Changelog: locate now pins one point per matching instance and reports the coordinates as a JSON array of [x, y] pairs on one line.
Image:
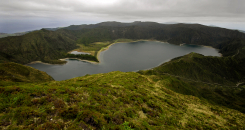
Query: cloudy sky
[[25, 15]]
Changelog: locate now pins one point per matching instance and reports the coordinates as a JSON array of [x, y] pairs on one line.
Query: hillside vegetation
[[115, 100], [151, 99], [218, 80], [43, 45], [13, 72], [221, 70], [49, 46]]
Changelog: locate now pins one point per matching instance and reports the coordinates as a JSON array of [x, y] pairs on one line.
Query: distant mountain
[[107, 24], [2, 35], [213, 25], [53, 29], [170, 23], [242, 31]]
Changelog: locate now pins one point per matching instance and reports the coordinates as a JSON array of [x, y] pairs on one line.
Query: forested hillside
[[219, 80], [42, 45], [220, 70]]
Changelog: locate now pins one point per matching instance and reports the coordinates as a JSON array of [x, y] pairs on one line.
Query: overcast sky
[[25, 15]]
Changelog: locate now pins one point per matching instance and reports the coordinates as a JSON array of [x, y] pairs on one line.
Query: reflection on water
[[124, 57]]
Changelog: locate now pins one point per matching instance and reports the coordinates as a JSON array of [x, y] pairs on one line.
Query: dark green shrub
[[92, 118], [52, 126], [108, 118], [12, 90], [22, 114], [118, 118], [145, 110], [79, 126], [69, 113], [58, 103], [126, 126], [2, 90], [130, 112], [41, 101], [154, 105]]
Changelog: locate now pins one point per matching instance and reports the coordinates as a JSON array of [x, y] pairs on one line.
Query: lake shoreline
[[132, 56], [93, 62], [64, 59], [107, 47], [97, 56], [204, 46], [34, 62]]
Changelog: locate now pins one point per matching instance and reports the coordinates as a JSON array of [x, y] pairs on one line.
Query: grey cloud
[[124, 10], [144, 8]]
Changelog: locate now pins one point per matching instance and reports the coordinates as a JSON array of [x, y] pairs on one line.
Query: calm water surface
[[124, 57]]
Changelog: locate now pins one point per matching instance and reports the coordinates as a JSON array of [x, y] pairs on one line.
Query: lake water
[[124, 57]]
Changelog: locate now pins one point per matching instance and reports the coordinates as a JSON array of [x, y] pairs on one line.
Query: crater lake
[[124, 57]]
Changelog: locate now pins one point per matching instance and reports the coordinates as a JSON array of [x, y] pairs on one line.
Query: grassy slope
[[211, 78], [19, 73], [221, 70], [107, 101], [92, 48]]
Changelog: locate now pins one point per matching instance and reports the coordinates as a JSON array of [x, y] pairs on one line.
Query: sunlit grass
[[115, 100]]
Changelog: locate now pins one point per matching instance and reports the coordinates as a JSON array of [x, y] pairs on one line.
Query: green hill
[[13, 72], [43, 45], [218, 80], [220, 70], [115, 100]]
